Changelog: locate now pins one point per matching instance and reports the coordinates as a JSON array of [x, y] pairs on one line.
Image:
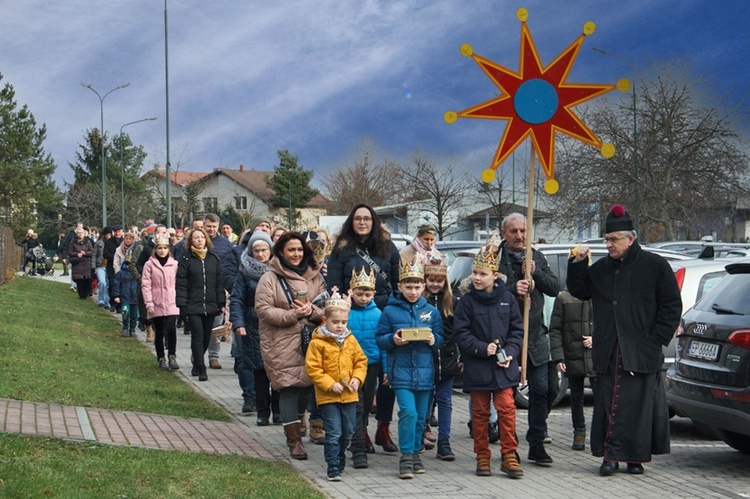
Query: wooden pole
[[529, 257]]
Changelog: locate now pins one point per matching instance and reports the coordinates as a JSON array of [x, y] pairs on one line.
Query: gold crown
[[410, 270], [436, 266], [319, 249], [487, 259], [362, 280], [337, 301]]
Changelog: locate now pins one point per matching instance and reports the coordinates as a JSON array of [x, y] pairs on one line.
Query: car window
[[708, 282], [730, 294]]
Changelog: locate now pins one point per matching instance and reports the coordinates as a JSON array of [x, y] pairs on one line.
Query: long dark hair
[[378, 241], [280, 243]]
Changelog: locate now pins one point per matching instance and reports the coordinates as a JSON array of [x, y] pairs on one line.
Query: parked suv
[[710, 379], [557, 258]]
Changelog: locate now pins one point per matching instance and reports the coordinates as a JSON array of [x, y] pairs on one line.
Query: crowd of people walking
[[327, 330]]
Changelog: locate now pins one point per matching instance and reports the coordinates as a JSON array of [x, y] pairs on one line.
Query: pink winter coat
[[158, 287]]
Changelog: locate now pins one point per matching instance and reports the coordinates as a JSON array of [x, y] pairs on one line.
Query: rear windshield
[[730, 294]]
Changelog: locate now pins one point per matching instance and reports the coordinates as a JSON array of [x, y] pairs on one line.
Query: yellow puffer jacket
[[328, 363]]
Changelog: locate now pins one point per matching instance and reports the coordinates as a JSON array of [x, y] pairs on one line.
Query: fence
[[10, 255]]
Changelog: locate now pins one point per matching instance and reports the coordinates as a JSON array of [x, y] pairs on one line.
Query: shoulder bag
[[306, 333]]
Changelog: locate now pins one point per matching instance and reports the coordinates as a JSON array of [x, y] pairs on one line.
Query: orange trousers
[[506, 420]]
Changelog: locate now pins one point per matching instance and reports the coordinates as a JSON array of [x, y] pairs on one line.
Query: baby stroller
[[40, 263]]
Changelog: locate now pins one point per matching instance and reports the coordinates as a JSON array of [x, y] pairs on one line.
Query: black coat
[[346, 259], [110, 247], [242, 312], [545, 281], [637, 305], [198, 285], [570, 322], [446, 357], [480, 319]]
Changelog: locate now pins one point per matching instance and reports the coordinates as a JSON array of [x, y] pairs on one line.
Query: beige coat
[[280, 331]]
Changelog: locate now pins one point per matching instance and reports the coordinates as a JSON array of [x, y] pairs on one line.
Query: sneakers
[[132, 334], [579, 440], [405, 469], [334, 474], [511, 465], [444, 452], [539, 455], [493, 434], [173, 365], [276, 419], [262, 421], [416, 464], [359, 461], [483, 466], [547, 438], [163, 364], [214, 364], [124, 333]]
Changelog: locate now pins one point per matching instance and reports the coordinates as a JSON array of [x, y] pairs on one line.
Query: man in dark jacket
[[543, 281], [637, 308], [221, 248]]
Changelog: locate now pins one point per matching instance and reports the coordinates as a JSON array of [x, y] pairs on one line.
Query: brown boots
[[511, 465], [483, 466], [383, 437], [294, 441], [317, 435], [149, 334], [302, 425]]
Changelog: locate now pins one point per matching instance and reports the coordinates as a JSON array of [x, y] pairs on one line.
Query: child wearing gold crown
[[409, 365], [489, 330], [337, 367], [363, 322]]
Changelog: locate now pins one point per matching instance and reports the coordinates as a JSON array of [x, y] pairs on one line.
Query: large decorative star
[[536, 102]]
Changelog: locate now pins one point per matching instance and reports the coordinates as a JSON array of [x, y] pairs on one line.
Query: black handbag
[[306, 333]]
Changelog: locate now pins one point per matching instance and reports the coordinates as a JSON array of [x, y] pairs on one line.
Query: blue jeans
[[443, 396], [313, 408], [246, 377], [413, 407], [537, 378], [103, 294], [339, 421], [129, 316]]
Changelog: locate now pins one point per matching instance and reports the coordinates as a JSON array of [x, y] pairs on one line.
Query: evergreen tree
[[291, 185], [28, 196]]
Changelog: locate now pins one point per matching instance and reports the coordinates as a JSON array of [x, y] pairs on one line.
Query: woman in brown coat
[[280, 327]]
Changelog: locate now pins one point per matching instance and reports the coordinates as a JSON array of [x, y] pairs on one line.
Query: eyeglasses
[[613, 239], [366, 220]]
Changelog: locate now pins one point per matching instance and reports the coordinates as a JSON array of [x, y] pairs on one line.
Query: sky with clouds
[[247, 78]]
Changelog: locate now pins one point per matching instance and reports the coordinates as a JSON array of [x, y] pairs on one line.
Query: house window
[[240, 202], [210, 204]]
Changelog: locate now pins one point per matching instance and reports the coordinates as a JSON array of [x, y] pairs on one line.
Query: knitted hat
[[259, 236], [618, 219]]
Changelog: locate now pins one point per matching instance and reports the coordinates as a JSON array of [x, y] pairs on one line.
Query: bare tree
[[365, 180], [444, 192], [688, 165]]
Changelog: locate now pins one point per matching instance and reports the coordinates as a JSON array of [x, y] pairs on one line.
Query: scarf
[[298, 269], [338, 338], [200, 253], [251, 267]]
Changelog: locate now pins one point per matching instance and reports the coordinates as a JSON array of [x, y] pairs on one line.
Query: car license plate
[[702, 350]]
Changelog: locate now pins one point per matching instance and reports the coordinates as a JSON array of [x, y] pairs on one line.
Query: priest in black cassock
[[637, 308]]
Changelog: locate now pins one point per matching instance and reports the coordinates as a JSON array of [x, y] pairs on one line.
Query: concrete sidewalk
[[573, 474]]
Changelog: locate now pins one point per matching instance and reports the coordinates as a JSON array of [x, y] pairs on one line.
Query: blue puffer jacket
[[363, 322], [409, 366], [125, 287]]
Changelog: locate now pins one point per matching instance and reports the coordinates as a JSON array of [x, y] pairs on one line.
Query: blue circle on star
[[535, 101]]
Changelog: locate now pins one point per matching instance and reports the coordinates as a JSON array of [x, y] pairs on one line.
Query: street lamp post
[[104, 159], [122, 169], [635, 130]]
